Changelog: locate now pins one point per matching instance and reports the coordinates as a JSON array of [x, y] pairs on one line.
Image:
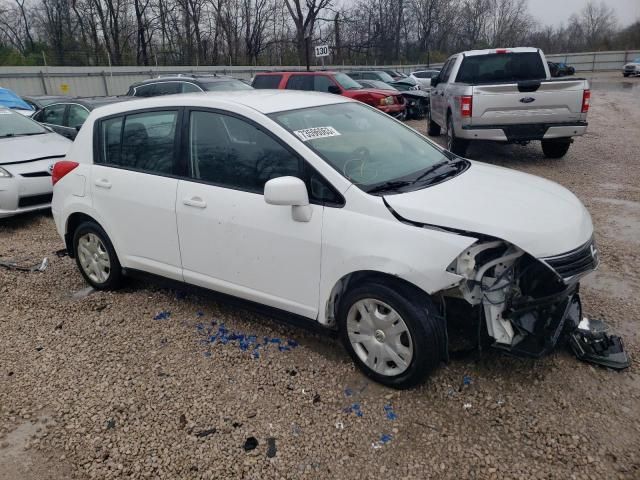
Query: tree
[[304, 17]]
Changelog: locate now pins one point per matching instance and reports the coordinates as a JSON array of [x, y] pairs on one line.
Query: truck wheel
[[556, 148], [96, 258], [454, 144], [433, 129], [393, 332]]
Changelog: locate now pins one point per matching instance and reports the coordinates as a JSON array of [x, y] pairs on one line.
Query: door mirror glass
[[334, 89], [286, 191]]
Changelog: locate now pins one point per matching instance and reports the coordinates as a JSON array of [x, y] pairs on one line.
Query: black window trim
[[306, 168], [180, 82], [177, 139]]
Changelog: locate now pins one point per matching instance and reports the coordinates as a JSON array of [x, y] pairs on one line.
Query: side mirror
[[289, 191], [78, 127], [334, 89], [435, 81]]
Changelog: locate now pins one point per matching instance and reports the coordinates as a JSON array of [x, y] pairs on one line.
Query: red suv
[[333, 82]]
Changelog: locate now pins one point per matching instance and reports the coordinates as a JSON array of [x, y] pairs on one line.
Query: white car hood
[[539, 216], [33, 147]]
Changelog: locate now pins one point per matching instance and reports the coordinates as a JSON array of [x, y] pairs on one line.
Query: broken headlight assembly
[[530, 304]]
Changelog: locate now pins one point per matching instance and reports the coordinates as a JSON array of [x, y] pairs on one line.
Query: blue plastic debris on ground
[[385, 438], [244, 342], [355, 408], [388, 410], [348, 392], [163, 315], [467, 380]]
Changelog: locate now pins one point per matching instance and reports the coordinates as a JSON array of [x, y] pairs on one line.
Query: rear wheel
[[556, 148], [454, 144], [433, 129], [394, 335], [96, 258]]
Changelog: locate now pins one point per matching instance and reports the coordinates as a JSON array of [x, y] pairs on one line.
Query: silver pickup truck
[[507, 95]]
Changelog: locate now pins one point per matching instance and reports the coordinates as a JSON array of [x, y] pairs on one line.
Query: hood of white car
[[537, 215], [33, 147]]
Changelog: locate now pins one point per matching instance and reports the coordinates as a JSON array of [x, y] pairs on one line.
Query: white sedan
[[423, 77], [327, 209], [27, 154]]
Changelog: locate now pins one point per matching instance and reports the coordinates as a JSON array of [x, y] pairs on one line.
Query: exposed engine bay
[[529, 305]]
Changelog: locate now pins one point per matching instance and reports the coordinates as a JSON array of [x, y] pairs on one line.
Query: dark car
[[38, 102], [185, 84], [560, 69], [67, 115], [417, 101], [371, 75]]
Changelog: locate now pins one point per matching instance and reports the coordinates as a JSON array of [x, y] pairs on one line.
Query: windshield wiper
[[390, 186]]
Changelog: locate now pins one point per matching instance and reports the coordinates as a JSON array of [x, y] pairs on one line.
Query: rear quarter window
[[266, 81], [501, 67]]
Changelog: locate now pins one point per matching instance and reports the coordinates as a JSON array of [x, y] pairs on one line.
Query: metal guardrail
[[96, 81]]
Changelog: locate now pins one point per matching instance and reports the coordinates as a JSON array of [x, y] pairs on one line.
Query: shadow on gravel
[[24, 220]]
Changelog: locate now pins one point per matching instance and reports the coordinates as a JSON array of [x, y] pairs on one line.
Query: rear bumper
[[524, 132]]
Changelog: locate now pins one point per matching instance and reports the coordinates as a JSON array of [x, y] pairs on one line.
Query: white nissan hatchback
[[325, 208]]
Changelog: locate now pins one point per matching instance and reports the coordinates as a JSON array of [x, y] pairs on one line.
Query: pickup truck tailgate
[[506, 104]]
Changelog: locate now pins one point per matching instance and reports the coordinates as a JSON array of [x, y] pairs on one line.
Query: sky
[[555, 12]]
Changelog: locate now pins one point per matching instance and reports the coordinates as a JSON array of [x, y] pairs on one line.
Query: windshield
[[229, 85], [346, 82], [369, 148], [501, 67], [380, 85], [14, 124], [385, 77]]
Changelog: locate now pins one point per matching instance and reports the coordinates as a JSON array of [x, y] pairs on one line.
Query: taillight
[[60, 169], [502, 50], [586, 98], [466, 105]]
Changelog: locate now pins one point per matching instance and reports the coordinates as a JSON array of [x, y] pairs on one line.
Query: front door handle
[[103, 183], [196, 202]]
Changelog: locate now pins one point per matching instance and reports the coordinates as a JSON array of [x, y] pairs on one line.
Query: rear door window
[[140, 141], [502, 67], [190, 88], [300, 82], [144, 91], [266, 81], [167, 88]]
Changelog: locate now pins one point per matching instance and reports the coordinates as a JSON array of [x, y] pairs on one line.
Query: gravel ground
[[125, 385]]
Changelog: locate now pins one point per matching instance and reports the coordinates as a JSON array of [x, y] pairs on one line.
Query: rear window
[[501, 67], [266, 81], [226, 85]]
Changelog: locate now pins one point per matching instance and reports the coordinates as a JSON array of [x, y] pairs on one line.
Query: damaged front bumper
[[531, 305]]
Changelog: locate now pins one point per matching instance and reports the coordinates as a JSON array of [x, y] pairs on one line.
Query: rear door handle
[[196, 202], [103, 183]]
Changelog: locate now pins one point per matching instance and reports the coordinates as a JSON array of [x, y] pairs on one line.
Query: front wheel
[[393, 334], [556, 148], [96, 257]]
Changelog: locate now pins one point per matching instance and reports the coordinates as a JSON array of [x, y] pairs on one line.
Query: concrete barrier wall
[[98, 81]]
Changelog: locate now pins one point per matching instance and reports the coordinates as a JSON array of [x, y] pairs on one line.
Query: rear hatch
[[527, 102], [511, 87]]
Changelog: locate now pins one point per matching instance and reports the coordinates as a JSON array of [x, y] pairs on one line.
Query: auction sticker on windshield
[[316, 132]]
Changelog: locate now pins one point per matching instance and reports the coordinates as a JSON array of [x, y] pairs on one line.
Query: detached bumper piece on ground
[[591, 343]]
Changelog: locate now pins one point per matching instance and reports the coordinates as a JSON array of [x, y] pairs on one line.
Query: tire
[[433, 129], [96, 257], [418, 336], [556, 148], [626, 74], [454, 144]]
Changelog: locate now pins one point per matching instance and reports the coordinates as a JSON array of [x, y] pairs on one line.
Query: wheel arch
[[73, 222], [353, 279]]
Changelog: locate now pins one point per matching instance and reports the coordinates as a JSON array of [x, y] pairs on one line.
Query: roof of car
[[184, 78], [264, 101], [489, 51], [91, 102], [298, 72]]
